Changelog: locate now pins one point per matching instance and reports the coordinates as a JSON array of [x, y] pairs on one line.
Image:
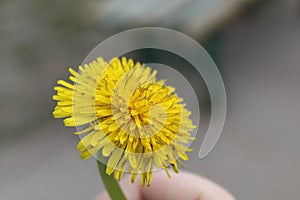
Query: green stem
[[110, 183]]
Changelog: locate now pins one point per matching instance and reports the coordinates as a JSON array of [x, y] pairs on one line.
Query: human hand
[[181, 186]]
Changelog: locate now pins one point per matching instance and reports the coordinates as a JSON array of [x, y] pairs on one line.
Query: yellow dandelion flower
[[135, 120]]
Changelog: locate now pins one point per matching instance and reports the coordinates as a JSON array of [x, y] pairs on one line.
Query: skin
[[184, 185]]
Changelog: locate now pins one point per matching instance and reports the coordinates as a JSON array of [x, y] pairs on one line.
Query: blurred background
[[255, 43]]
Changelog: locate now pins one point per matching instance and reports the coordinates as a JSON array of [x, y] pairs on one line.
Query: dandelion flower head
[[126, 113]]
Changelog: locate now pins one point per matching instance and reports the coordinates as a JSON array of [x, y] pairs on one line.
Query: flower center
[[140, 114]]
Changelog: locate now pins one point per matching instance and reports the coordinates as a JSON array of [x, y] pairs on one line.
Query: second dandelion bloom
[[122, 110]]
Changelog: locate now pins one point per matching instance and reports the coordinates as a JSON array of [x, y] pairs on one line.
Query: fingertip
[[184, 185]]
